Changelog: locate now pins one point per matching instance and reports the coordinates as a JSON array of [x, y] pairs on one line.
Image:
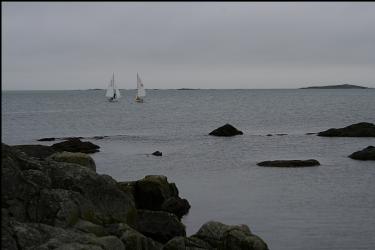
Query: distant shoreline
[[311, 87]]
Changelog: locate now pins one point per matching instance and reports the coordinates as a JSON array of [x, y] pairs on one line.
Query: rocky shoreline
[[53, 199]]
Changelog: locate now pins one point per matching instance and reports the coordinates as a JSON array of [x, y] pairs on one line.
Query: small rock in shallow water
[[364, 154], [289, 163], [157, 153]]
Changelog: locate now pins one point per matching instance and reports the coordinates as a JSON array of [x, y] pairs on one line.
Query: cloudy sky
[[69, 45]]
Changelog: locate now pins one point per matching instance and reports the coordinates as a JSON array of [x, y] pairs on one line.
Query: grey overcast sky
[[68, 45]]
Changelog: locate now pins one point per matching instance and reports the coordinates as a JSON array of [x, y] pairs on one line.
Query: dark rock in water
[[155, 193], [269, 134], [76, 145], [157, 153], [226, 130], [47, 139], [362, 129], [159, 226], [289, 163], [311, 133], [36, 151], [281, 134], [364, 154]]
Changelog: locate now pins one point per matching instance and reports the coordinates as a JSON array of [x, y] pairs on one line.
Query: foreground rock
[[364, 154], [36, 151], [77, 158], [60, 193], [289, 163], [76, 145], [160, 226], [226, 130], [221, 236], [59, 202], [154, 192], [362, 129]]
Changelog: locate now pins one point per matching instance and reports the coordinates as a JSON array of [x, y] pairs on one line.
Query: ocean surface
[[327, 207]]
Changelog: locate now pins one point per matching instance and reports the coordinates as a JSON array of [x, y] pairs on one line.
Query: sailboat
[[141, 92], [113, 93]]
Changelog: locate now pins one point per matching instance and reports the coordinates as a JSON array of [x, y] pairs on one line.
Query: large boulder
[[221, 236], [187, 243], [103, 201], [76, 145], [159, 226], [362, 129], [77, 158], [60, 193], [41, 236], [154, 192], [226, 130], [289, 163], [89, 227], [36, 151], [176, 205], [364, 154], [131, 238]]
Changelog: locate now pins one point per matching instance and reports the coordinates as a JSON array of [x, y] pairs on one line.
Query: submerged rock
[[76, 145], [226, 130], [364, 154], [362, 129], [289, 163]]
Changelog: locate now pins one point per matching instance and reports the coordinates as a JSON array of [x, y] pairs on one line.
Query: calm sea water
[[327, 207]]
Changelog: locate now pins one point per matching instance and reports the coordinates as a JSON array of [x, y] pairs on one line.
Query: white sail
[[113, 93], [110, 90], [141, 90], [118, 94]]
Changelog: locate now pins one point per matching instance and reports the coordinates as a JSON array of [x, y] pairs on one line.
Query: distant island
[[186, 89], [341, 86]]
